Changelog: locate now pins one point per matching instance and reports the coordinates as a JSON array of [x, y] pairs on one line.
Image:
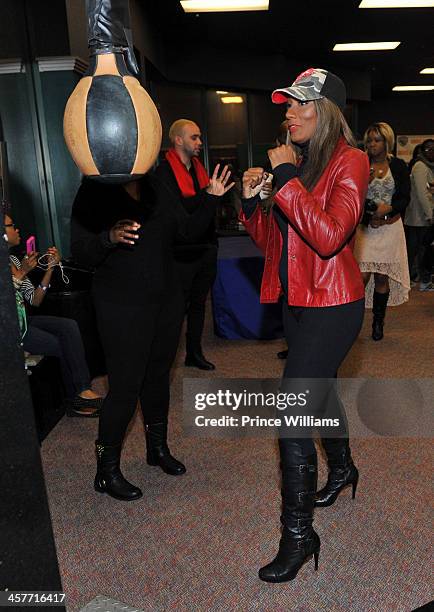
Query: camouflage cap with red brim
[[313, 84]]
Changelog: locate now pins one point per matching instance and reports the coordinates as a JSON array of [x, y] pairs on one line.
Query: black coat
[[189, 206], [143, 272]]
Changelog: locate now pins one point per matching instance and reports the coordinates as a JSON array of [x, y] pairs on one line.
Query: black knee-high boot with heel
[[299, 542], [379, 311]]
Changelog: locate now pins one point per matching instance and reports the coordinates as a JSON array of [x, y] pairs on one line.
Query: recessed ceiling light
[[371, 46], [370, 4], [413, 88], [221, 92], [214, 6], [232, 100], [427, 71]]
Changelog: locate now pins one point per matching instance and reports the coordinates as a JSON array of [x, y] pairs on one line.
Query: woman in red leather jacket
[[308, 243]]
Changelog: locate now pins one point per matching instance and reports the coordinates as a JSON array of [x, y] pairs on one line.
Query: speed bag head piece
[[111, 126]]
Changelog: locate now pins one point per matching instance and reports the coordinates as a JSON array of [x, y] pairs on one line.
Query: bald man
[[187, 179]]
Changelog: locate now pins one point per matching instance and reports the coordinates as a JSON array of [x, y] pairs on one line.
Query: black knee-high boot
[[109, 478], [342, 472], [379, 312], [157, 451], [299, 541]]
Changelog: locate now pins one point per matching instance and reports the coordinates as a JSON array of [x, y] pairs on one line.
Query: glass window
[[227, 132], [176, 102], [265, 118]]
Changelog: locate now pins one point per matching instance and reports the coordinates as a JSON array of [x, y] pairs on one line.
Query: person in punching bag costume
[[126, 232]]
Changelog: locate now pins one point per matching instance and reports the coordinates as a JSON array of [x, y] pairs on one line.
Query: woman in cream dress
[[380, 247]]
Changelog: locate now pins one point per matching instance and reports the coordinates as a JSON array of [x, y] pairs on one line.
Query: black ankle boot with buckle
[[109, 478], [157, 451]]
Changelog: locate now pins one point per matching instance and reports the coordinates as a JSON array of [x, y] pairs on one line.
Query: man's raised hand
[[219, 184]]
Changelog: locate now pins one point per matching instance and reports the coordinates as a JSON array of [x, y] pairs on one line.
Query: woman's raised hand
[[253, 181], [54, 255], [219, 184], [284, 154], [29, 262], [124, 231]]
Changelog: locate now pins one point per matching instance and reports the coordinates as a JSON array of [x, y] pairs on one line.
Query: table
[[235, 295]]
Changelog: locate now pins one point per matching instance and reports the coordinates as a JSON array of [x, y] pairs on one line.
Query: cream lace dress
[[383, 249]]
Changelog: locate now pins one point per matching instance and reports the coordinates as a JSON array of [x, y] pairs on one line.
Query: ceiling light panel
[[371, 46], [232, 100], [427, 71], [380, 4], [215, 6], [413, 88]]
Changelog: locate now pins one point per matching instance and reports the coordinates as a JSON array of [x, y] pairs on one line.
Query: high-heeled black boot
[[379, 311], [299, 542], [343, 472], [157, 451], [109, 478]]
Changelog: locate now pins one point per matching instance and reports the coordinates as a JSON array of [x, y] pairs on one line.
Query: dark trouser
[[197, 277], [60, 337], [140, 346], [418, 252], [318, 341]]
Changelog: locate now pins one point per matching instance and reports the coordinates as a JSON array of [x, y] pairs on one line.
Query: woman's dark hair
[[331, 125], [425, 143], [5, 208]]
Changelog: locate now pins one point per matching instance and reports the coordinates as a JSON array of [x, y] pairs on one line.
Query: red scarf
[[183, 176]]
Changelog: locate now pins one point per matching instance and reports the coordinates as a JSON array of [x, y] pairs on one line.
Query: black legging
[[140, 346], [318, 341]]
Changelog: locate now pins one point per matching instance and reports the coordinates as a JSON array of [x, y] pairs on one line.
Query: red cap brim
[[277, 97]]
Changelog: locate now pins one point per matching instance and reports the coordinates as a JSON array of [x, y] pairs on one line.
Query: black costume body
[[137, 296], [196, 263]]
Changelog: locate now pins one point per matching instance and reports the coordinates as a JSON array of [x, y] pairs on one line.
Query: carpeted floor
[[195, 542]]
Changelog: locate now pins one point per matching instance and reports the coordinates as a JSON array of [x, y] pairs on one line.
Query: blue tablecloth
[[235, 295]]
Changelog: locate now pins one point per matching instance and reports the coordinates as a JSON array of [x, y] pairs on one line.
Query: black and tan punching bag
[[111, 126]]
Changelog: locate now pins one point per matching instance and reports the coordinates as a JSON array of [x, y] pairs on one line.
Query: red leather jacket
[[322, 270]]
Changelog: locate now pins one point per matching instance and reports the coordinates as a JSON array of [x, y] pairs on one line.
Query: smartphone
[[30, 245]]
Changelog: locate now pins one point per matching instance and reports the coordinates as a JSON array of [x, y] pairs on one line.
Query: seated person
[[53, 336]]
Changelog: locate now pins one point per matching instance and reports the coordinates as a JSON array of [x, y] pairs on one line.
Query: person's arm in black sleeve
[[283, 173], [194, 225], [194, 202], [249, 205], [89, 245], [401, 196]]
